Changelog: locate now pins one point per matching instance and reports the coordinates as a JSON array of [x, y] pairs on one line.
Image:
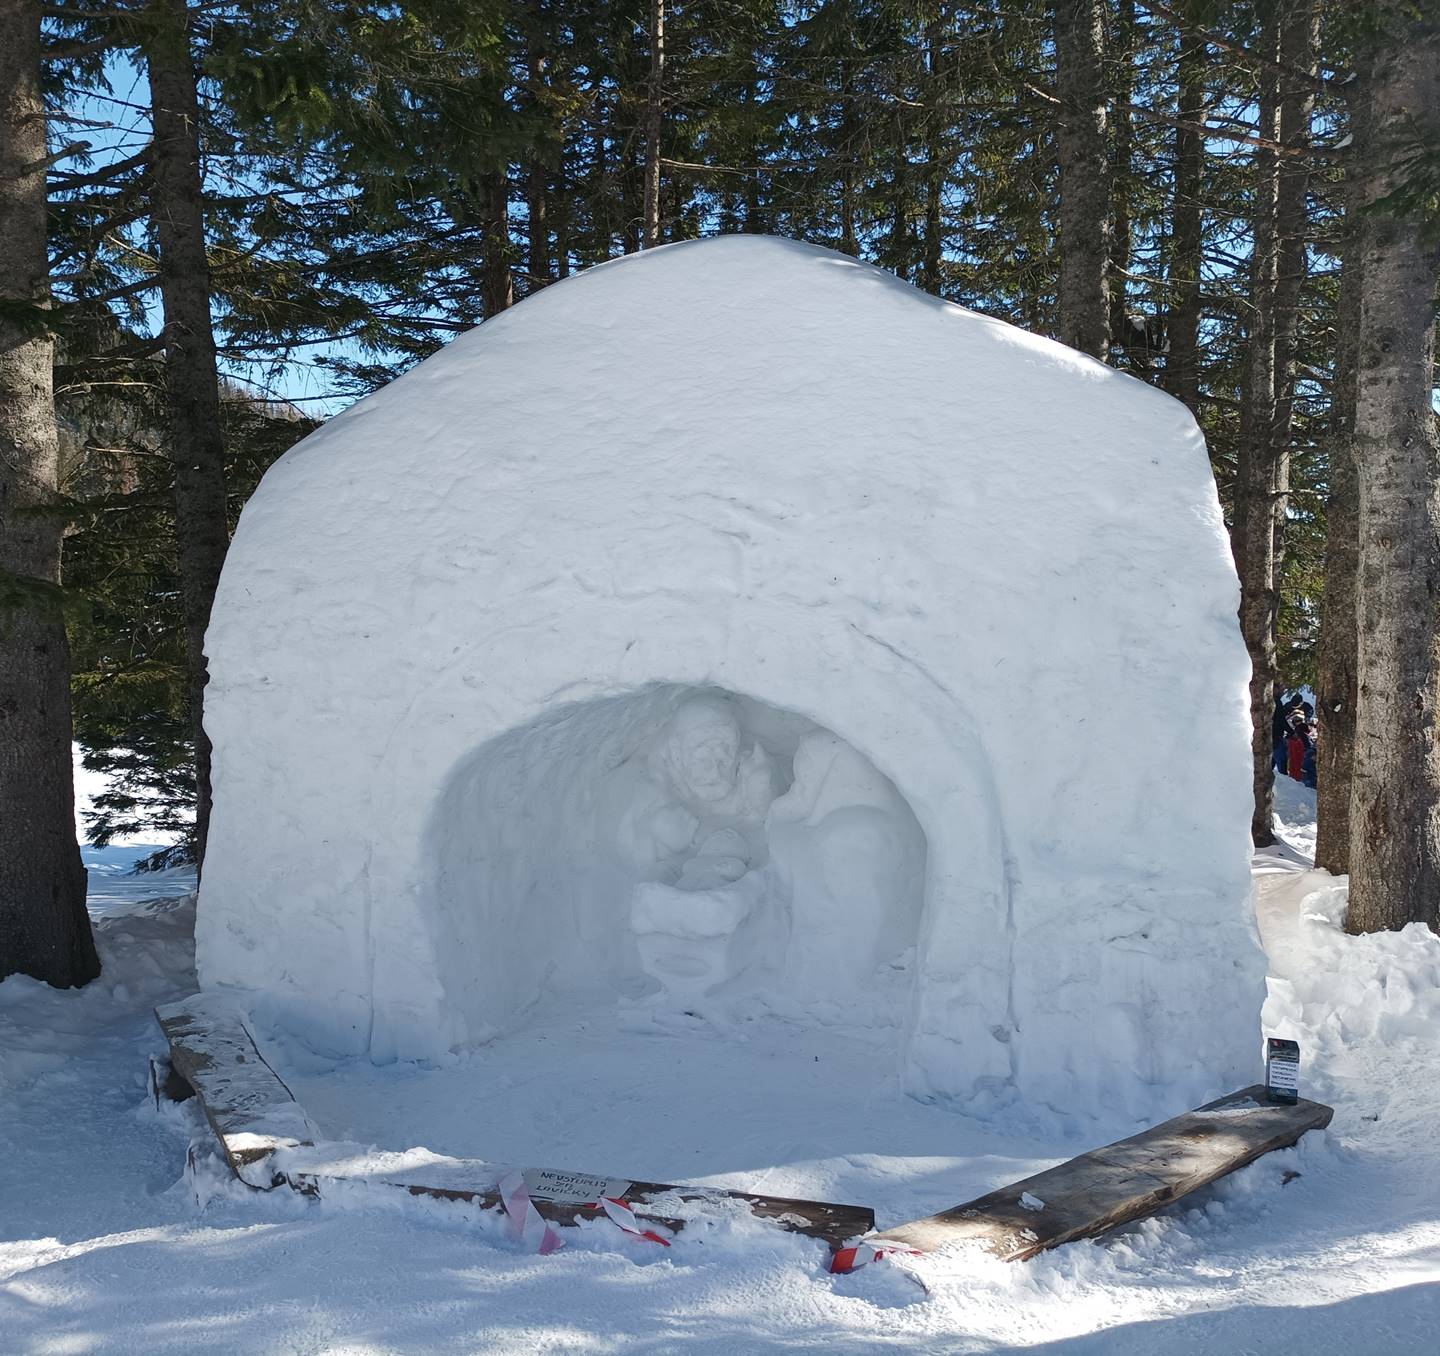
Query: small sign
[[1282, 1071], [572, 1188]]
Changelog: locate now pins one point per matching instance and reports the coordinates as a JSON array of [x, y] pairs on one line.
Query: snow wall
[[734, 629]]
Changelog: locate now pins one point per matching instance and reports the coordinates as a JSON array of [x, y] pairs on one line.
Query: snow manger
[[733, 631]]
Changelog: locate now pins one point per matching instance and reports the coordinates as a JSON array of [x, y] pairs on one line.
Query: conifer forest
[[223, 222]]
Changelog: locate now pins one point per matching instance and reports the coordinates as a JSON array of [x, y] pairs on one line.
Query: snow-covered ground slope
[[103, 1248]]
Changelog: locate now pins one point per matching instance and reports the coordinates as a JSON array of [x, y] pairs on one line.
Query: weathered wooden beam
[[269, 1141], [1120, 1183], [476, 1181], [166, 1083], [249, 1108]]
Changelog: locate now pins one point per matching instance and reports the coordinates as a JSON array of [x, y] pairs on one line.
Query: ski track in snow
[[106, 1247]]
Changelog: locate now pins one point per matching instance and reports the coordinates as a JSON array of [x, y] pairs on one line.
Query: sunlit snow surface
[[114, 882], [103, 1248]]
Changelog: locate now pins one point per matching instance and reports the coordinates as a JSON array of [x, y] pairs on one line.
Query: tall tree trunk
[[1299, 38], [537, 262], [1122, 62], [1187, 229], [499, 283], [632, 196], [900, 205], [1276, 275], [1335, 692], [934, 155], [197, 444], [654, 122], [849, 135], [602, 213], [562, 225], [44, 929], [1253, 534], [753, 220], [537, 179], [1395, 805], [1084, 160]]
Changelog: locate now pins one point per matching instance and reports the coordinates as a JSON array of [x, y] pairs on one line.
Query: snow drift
[[733, 629]]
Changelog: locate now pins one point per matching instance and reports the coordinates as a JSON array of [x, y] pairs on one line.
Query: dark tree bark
[[1083, 300], [1395, 805], [1335, 690], [934, 156], [1122, 61], [499, 283], [900, 207], [1277, 272], [849, 137], [753, 221], [1299, 39], [192, 387], [654, 123], [537, 185], [537, 262], [562, 229], [602, 198], [1187, 229], [632, 196], [1256, 483], [44, 929]]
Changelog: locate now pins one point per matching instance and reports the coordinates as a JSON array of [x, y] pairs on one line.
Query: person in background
[[1297, 744], [1310, 767], [1286, 705]]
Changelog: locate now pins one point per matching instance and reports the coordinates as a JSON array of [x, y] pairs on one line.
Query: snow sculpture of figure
[[850, 855], [694, 832]]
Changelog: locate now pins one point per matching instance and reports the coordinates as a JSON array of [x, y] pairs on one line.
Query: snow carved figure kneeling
[[850, 856], [805, 894], [695, 828]]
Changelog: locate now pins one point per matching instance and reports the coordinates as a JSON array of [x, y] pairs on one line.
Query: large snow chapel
[[733, 630]]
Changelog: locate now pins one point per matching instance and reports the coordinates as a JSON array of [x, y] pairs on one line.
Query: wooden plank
[[476, 1181], [1121, 1182], [269, 1141], [248, 1106]]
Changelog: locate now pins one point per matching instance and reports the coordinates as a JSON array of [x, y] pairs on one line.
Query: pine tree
[[1336, 691], [1084, 225], [44, 929], [195, 438], [1395, 807]]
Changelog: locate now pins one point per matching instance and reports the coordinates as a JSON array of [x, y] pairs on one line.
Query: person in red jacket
[[1297, 745]]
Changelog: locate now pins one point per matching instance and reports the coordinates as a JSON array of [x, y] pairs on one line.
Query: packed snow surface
[[114, 883], [734, 631], [105, 1247]]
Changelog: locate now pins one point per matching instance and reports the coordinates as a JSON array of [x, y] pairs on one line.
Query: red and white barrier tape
[[529, 1226], [538, 1235], [857, 1255], [620, 1213]]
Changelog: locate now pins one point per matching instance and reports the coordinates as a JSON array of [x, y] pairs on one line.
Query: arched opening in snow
[[678, 849]]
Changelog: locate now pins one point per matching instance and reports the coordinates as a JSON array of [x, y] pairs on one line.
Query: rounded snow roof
[[995, 566]]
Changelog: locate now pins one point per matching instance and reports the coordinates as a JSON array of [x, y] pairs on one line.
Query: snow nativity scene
[[728, 710], [734, 762]]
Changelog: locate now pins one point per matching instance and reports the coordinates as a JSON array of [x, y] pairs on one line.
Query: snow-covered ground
[[113, 882], [106, 1246], [115, 885]]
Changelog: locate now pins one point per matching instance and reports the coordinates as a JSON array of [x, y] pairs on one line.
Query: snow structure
[[733, 630]]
